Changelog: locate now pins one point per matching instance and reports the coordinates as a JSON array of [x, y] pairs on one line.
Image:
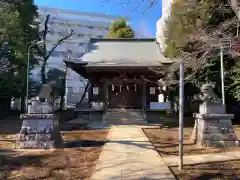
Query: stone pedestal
[[39, 131], [213, 127], [212, 108]]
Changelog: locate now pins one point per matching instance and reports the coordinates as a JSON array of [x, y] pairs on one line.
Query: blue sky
[[141, 23]]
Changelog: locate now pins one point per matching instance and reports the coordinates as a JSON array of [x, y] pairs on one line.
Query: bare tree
[[135, 5], [43, 50]]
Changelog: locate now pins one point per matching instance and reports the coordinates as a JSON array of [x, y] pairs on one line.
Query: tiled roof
[[124, 53]]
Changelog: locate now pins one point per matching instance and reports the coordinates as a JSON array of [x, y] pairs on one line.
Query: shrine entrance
[[125, 95]]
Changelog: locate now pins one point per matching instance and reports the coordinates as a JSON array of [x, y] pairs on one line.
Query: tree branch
[[45, 31], [58, 43], [127, 3]]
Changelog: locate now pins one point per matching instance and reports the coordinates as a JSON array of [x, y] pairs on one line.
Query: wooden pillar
[[90, 95], [105, 100], [144, 100]]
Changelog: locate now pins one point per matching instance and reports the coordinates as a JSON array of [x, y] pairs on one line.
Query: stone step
[[125, 119], [125, 116], [129, 119], [124, 110], [124, 113], [130, 115], [126, 122], [139, 122]]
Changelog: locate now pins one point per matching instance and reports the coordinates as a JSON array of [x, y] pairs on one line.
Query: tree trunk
[[43, 73], [22, 99]]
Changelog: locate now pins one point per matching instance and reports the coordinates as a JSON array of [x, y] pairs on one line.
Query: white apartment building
[[161, 23], [85, 26]]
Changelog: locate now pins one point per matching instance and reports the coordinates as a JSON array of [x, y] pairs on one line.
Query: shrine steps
[[125, 117]]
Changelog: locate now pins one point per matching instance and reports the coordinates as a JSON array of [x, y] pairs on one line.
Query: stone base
[[212, 108], [39, 131], [214, 130]]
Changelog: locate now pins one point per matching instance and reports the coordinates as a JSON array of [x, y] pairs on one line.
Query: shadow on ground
[[212, 170], [13, 162], [83, 143], [166, 142], [74, 127], [11, 125]]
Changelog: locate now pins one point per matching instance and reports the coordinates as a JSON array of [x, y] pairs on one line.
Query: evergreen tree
[[17, 18], [195, 28], [120, 29]]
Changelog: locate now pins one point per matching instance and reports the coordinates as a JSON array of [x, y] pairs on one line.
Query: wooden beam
[[144, 100]]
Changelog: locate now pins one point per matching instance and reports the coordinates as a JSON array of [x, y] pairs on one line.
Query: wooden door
[[116, 99], [125, 96]]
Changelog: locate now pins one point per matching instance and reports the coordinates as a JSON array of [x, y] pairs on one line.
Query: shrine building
[[123, 73]]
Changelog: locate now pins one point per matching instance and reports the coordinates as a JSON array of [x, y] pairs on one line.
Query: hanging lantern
[[112, 87], [127, 88], [120, 88], [135, 87]]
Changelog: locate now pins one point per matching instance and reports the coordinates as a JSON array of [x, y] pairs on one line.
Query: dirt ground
[[76, 162], [229, 170], [166, 140]]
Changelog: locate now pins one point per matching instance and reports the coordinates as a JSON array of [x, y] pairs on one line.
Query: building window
[[90, 27], [70, 90], [80, 35], [57, 54], [80, 25], [51, 32], [81, 89], [99, 28], [78, 55], [81, 44], [102, 28], [61, 33]]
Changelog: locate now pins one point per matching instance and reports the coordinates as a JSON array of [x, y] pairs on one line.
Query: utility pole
[[68, 57], [181, 114], [222, 74], [66, 88], [27, 73]]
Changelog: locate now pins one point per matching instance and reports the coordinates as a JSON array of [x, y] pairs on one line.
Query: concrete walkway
[[203, 158], [129, 155]]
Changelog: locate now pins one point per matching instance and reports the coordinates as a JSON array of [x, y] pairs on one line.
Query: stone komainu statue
[[208, 94], [45, 106], [45, 93]]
